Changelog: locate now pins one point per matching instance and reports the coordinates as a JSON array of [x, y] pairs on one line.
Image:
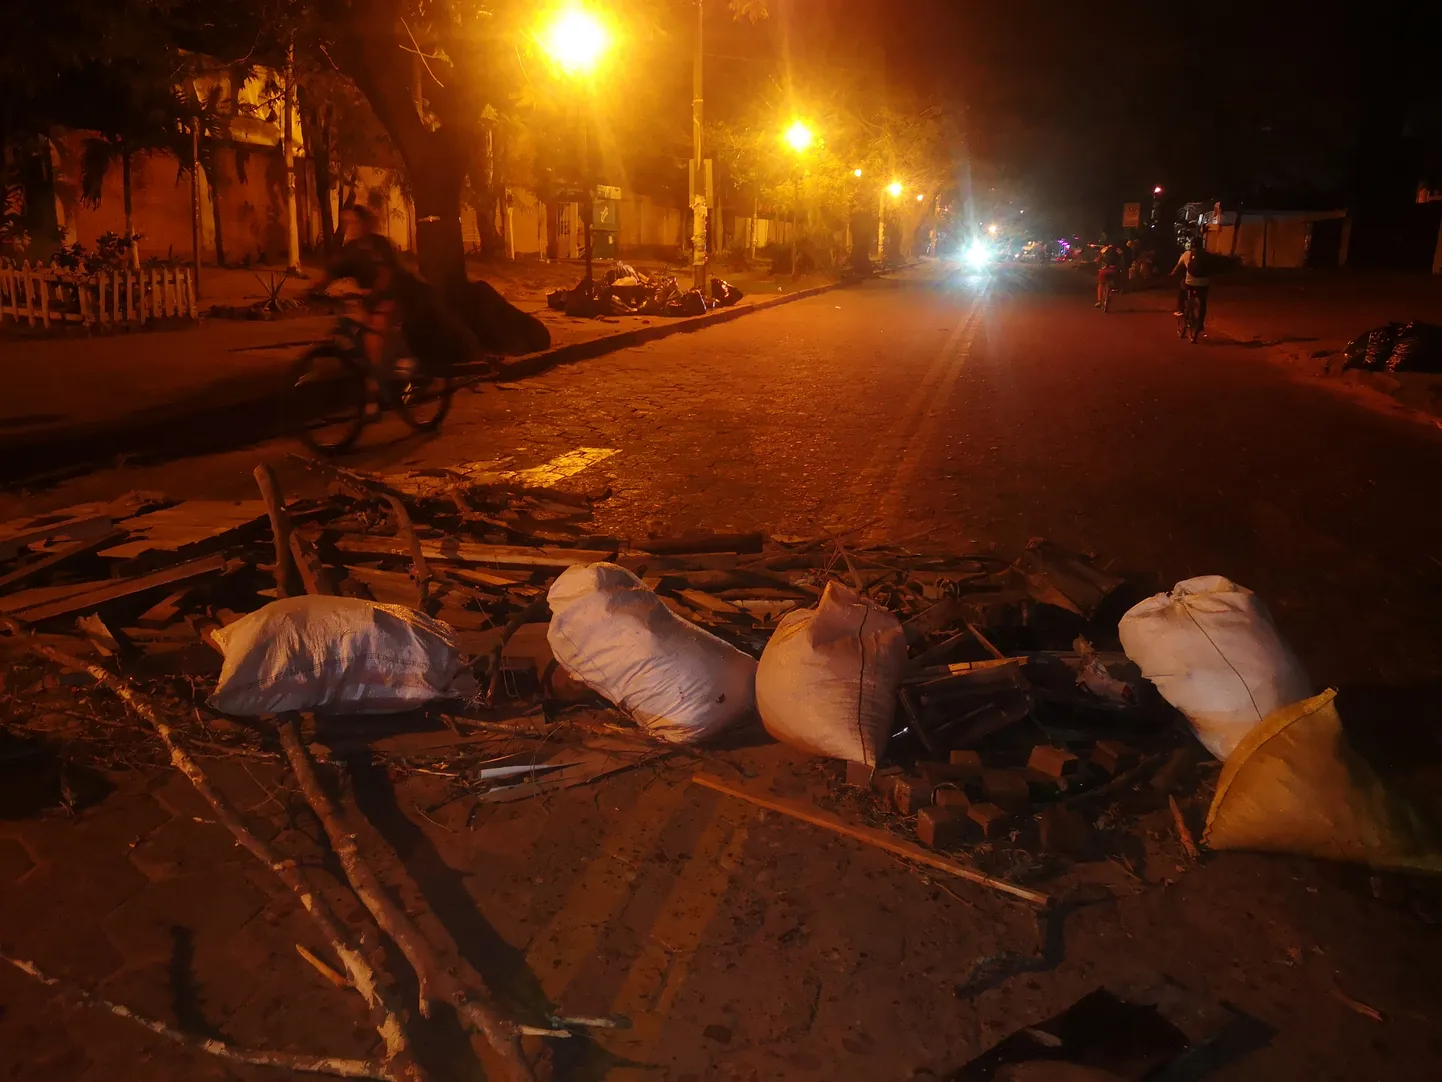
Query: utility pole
[[698, 167], [195, 200], [881, 227], [292, 225]]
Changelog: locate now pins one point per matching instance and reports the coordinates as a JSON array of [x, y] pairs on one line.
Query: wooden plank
[[129, 295], [502, 579], [678, 546], [59, 556], [879, 839], [188, 523], [25, 288], [44, 298], [20, 533], [704, 602], [166, 609], [97, 594], [474, 553]]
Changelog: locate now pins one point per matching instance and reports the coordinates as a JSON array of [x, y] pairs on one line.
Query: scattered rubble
[[622, 290]]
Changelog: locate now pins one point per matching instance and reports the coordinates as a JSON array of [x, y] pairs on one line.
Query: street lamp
[[920, 196], [575, 40], [856, 172], [895, 189], [799, 138]]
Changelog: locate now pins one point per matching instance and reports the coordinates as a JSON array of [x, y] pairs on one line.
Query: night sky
[[1075, 108]]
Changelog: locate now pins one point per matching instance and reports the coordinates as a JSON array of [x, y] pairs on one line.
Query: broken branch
[[385, 1016], [501, 1035], [290, 1061]]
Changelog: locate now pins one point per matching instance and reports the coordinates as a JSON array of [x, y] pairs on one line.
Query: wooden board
[[57, 556], [475, 553], [92, 595], [21, 533], [189, 523]]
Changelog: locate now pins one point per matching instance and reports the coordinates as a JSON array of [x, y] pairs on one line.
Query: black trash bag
[[724, 293], [1396, 347], [1418, 349], [557, 299], [690, 303]]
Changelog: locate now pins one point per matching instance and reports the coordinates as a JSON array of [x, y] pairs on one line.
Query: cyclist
[[1109, 271], [370, 260], [1192, 262]]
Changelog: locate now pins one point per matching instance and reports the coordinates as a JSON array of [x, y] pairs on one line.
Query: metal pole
[[795, 205], [698, 211], [589, 205], [195, 199], [881, 227]]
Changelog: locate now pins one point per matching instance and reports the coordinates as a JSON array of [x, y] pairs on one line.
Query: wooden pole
[[285, 573], [880, 839], [292, 225]]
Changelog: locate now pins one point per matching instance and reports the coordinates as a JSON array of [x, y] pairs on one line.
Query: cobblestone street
[[945, 410]]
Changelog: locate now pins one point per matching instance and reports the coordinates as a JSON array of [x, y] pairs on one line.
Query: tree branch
[[289, 1061]]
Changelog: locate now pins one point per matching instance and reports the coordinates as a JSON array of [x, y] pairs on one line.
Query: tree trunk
[[440, 251], [212, 180], [315, 132], [125, 191]]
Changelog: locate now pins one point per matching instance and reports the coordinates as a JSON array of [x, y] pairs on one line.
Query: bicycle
[[1190, 320], [336, 391]]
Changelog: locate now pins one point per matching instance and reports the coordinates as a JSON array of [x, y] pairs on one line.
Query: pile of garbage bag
[[623, 290], [1396, 347]]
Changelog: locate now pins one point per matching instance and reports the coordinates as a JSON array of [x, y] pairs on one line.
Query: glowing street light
[[920, 196], [798, 137], [1157, 190], [856, 172], [991, 229], [895, 189], [575, 40]]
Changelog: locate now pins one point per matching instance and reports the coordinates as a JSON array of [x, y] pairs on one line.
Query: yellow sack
[[1295, 785]]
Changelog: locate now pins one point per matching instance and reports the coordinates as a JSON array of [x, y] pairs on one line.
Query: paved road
[[962, 412]]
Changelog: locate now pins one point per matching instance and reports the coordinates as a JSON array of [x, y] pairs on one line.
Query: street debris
[[1213, 652], [623, 290], [828, 677], [1296, 785], [469, 627], [1396, 347], [1155, 1033], [674, 679], [337, 654]]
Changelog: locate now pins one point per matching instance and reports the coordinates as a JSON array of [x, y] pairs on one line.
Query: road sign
[[1131, 215]]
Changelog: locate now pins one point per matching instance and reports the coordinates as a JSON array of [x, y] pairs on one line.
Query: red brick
[[950, 796], [911, 795], [1052, 762], [1009, 789], [1110, 755], [943, 828], [860, 775], [991, 818]]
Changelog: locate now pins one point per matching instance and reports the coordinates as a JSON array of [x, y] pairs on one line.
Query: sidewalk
[[93, 399], [1303, 319]]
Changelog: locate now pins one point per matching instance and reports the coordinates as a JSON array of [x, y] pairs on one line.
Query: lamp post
[[798, 137], [576, 40]]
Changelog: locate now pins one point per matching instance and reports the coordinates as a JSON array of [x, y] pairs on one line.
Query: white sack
[[1213, 652], [675, 680], [338, 654], [827, 679]]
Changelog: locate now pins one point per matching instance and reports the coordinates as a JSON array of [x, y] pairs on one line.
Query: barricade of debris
[[623, 290]]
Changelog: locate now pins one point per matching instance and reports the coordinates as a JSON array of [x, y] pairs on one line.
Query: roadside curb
[[533, 364]]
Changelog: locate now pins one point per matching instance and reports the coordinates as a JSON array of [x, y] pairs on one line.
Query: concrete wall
[[1264, 240], [248, 183]]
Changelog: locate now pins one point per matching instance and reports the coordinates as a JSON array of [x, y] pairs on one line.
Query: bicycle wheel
[[421, 397], [1194, 318], [328, 399]]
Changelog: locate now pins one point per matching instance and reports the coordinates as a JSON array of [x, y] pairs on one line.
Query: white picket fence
[[47, 296]]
